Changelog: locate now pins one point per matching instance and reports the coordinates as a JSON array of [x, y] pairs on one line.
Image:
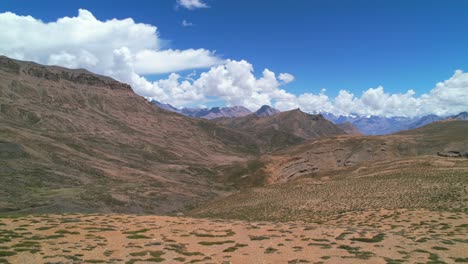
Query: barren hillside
[[282, 129], [71, 140]]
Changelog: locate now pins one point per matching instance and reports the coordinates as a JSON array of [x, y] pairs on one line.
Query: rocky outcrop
[[57, 74], [453, 154]]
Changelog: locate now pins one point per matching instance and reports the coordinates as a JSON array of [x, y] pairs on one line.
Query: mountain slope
[[266, 110], [343, 152], [424, 121], [283, 129], [349, 128], [329, 176], [74, 141], [460, 116], [167, 107]]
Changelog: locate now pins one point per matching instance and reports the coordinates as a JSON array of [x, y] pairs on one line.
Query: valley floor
[[379, 236]]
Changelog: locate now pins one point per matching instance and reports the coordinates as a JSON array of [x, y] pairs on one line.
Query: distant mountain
[[460, 116], [267, 110], [191, 111], [424, 121], [349, 128], [380, 125], [167, 107], [367, 125], [373, 125], [206, 113], [216, 112], [282, 129]]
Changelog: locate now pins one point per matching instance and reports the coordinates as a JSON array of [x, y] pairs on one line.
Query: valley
[[93, 173]]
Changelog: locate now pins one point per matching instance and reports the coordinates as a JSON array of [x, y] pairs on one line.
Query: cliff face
[[58, 74]]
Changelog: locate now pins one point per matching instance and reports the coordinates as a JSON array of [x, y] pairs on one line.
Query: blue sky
[[351, 45]]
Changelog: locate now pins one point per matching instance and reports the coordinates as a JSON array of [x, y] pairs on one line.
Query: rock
[[450, 154]]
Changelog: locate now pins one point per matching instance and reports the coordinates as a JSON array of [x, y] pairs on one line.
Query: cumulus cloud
[[446, 98], [127, 51], [192, 4], [286, 77], [233, 82], [84, 41], [151, 61]]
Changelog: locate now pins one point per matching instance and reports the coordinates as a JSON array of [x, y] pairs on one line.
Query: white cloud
[[192, 4], [121, 49], [163, 61], [83, 37], [185, 23], [233, 82], [126, 50], [447, 98], [286, 77], [84, 41]]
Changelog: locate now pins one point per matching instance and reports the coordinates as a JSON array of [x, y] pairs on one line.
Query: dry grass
[[410, 183]]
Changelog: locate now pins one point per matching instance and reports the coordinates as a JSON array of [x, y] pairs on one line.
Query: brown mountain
[[71, 140], [267, 110], [349, 128], [342, 152], [282, 129], [74, 141], [330, 176]]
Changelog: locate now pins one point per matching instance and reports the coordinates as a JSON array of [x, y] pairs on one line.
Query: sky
[[371, 57]]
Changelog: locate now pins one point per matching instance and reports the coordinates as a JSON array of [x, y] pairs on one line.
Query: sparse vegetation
[[270, 250], [138, 237], [253, 238], [211, 243], [375, 239]]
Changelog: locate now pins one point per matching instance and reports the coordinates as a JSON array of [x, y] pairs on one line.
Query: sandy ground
[[398, 236]]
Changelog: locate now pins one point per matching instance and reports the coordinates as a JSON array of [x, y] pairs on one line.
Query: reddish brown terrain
[[73, 141], [93, 173], [283, 129], [382, 236]]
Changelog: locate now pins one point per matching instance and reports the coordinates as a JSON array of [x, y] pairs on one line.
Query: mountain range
[[281, 129], [75, 141], [353, 123], [381, 125], [217, 112]]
